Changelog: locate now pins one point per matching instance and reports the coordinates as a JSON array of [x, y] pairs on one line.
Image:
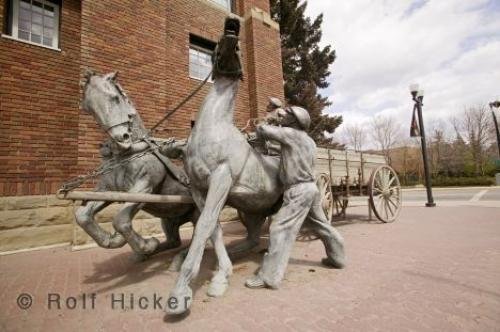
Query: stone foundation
[[36, 221]]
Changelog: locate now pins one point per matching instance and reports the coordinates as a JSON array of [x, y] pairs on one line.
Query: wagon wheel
[[327, 203], [327, 199], [385, 193]]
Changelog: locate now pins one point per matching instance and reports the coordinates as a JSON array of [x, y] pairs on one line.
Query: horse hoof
[[116, 241], [217, 288], [179, 302], [151, 245], [218, 284]]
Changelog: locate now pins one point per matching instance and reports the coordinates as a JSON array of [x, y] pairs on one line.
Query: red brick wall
[[243, 6], [45, 139], [266, 76], [204, 20], [128, 37], [39, 109]]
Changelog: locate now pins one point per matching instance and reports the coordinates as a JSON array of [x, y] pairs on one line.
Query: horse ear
[[111, 76], [88, 74]]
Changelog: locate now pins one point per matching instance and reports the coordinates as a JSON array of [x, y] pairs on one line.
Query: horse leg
[[170, 227], [253, 224], [175, 265], [123, 224], [219, 282], [220, 183], [84, 216], [224, 269]]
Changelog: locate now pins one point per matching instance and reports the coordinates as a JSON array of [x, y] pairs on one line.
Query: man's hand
[[183, 178], [259, 129], [272, 121], [174, 149]]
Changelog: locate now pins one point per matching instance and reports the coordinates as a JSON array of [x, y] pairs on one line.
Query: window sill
[[30, 43], [200, 79], [217, 6]]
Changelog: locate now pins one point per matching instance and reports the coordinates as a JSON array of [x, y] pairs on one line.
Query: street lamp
[[418, 97], [496, 104]]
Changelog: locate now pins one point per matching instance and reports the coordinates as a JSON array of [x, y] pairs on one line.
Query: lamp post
[[418, 97], [496, 104]]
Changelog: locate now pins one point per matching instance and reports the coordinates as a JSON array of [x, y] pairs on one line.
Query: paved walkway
[[435, 269]]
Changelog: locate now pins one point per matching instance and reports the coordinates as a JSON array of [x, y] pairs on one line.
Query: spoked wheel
[[339, 206], [385, 194], [327, 199], [327, 203]]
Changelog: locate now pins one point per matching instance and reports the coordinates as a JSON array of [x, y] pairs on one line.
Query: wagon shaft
[[112, 196]]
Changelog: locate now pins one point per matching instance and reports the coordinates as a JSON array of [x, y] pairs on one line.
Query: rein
[[116, 125], [185, 100], [108, 167]]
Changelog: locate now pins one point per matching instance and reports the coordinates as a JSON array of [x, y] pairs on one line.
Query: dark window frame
[[201, 45], [10, 28]]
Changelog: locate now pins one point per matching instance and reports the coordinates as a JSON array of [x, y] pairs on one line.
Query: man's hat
[[302, 116], [275, 102]]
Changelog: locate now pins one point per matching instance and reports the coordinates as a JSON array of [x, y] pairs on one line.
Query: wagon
[[342, 174]]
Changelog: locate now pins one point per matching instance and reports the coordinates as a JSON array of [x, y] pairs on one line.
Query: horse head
[[104, 98], [226, 59]]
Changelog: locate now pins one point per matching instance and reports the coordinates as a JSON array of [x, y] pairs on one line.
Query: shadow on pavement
[[122, 269]]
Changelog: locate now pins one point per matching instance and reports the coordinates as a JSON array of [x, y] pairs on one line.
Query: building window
[[200, 57], [224, 3], [35, 21]]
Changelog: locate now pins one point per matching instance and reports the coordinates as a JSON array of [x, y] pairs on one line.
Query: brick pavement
[[432, 270]]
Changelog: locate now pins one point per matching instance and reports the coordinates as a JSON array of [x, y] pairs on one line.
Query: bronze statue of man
[[301, 199]]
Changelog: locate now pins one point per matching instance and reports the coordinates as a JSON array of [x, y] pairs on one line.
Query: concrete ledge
[[262, 16], [11, 252], [11, 219], [34, 222], [33, 237]]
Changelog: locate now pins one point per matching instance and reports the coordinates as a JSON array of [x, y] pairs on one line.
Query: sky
[[451, 48]]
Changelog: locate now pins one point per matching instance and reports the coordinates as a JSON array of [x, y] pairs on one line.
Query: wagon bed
[[342, 174]]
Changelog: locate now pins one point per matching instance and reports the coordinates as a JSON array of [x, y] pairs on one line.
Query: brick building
[[159, 47]]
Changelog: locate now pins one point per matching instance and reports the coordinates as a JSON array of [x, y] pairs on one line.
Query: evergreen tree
[[305, 64]]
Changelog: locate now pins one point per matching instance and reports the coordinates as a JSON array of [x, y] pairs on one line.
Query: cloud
[[450, 47]]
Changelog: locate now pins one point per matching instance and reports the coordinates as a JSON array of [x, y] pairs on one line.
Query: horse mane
[[138, 129], [121, 91]]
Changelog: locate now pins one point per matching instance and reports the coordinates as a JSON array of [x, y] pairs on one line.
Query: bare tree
[[474, 124], [385, 133], [406, 160], [355, 136], [437, 149]]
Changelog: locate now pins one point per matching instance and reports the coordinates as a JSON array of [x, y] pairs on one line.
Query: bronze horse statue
[[224, 169], [146, 172], [149, 173]]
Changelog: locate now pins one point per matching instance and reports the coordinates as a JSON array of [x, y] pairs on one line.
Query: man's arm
[[275, 133]]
